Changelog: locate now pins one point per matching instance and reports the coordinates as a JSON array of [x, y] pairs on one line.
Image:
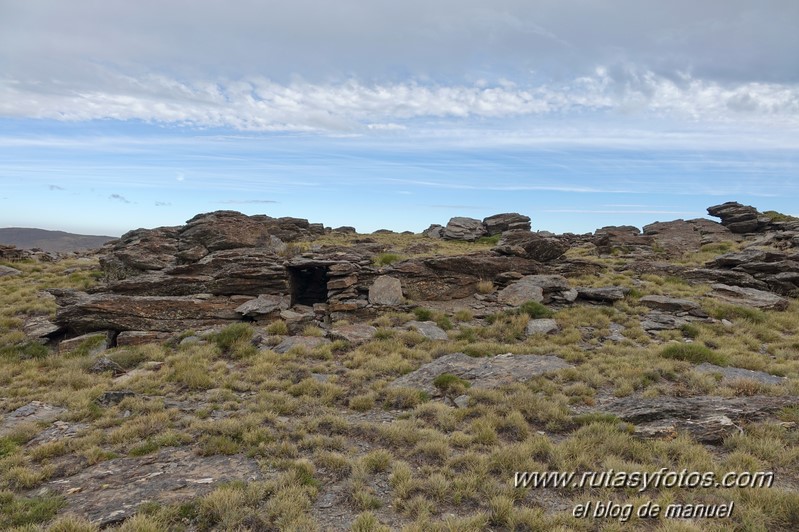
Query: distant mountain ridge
[[53, 241]]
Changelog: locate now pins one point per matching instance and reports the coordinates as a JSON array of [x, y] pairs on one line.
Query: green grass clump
[[24, 351], [779, 217], [384, 259], [731, 312], [232, 335], [447, 382], [695, 353], [17, 511], [534, 309], [489, 240], [423, 314]]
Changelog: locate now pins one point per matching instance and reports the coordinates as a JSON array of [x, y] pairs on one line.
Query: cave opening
[[308, 284]]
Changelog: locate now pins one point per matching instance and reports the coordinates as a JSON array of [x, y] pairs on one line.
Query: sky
[[377, 114]]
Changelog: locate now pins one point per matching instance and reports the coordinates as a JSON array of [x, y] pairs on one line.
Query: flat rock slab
[[33, 412], [128, 338], [607, 294], [308, 342], [750, 297], [57, 431], [661, 321], [386, 291], [262, 305], [708, 419], [40, 327], [487, 372], [732, 374], [111, 491], [428, 329], [637, 409], [669, 304], [355, 334], [520, 292]]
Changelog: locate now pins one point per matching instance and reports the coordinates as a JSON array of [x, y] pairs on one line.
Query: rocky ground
[[252, 373]]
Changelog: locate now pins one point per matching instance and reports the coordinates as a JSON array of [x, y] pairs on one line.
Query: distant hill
[[54, 241]]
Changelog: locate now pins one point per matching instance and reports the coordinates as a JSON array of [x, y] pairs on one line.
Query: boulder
[[541, 326], [530, 245], [386, 290], [428, 329], [40, 327], [749, 297], [96, 343], [7, 271], [510, 221], [681, 236], [463, 228], [520, 292], [739, 218], [355, 334], [33, 412], [434, 231]]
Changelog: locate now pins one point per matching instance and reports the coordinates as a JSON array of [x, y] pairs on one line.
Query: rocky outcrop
[[681, 236], [530, 245], [454, 277], [622, 238], [463, 228], [510, 221], [434, 231], [539, 288], [739, 218], [750, 297], [386, 291]]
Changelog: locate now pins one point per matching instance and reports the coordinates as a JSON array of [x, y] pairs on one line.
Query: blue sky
[[579, 113]]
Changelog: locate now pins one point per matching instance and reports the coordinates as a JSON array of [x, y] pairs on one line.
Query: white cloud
[[259, 104]]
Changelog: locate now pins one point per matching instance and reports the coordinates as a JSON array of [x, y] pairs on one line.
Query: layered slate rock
[[708, 419], [750, 297], [111, 491], [484, 372], [625, 238], [672, 304], [540, 288], [509, 221], [606, 294], [455, 277], [530, 245], [681, 236], [739, 218], [463, 228], [428, 329], [541, 326], [8, 271]]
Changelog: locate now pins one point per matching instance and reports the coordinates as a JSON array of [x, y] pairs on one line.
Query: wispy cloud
[[600, 211], [55, 187], [259, 104], [118, 197], [245, 202], [162, 204]]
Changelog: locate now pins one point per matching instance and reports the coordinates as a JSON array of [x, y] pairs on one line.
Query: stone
[[105, 364], [114, 397], [33, 412], [739, 218], [541, 326], [681, 236], [625, 238], [730, 374], [463, 228], [131, 338], [434, 231], [84, 312], [340, 283], [355, 334], [520, 292], [607, 294], [661, 321], [307, 342], [428, 329], [749, 297], [386, 290], [40, 327], [669, 304], [95, 342], [483, 372], [263, 305], [59, 430], [499, 223], [8, 271], [530, 245], [112, 491], [455, 277]]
